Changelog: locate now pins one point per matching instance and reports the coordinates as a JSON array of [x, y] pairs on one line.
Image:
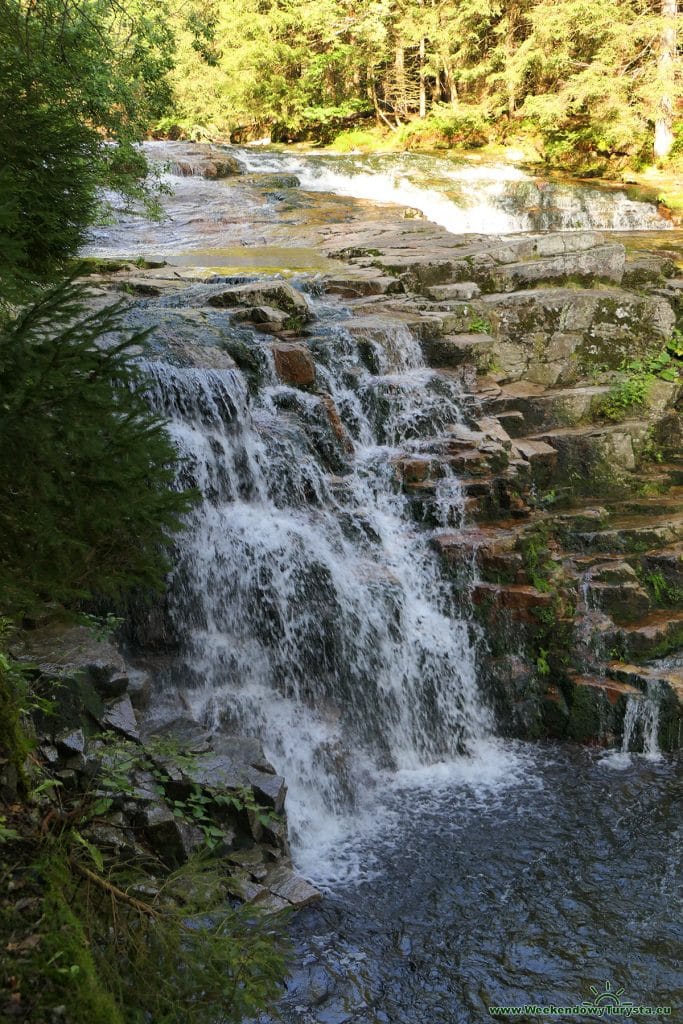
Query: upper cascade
[[463, 196]]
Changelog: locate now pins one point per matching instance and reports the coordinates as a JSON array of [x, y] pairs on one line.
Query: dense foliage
[[86, 469], [581, 75], [71, 73]]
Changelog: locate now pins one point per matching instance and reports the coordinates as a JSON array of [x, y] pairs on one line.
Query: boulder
[[119, 715], [294, 363], [58, 650], [264, 293], [289, 886]]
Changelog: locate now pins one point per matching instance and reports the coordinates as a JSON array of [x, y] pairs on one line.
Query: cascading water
[[641, 723], [307, 596], [464, 197]]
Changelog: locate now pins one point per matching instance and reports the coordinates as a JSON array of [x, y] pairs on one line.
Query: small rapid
[[464, 197], [260, 219]]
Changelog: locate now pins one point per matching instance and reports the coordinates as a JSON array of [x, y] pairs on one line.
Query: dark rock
[[286, 884], [71, 741], [120, 716], [59, 650], [139, 688]]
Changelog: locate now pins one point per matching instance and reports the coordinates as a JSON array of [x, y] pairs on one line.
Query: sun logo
[[607, 996]]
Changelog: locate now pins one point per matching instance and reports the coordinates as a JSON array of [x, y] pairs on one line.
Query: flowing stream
[[460, 871]]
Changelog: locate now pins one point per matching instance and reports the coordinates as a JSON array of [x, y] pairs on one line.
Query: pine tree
[[87, 503]]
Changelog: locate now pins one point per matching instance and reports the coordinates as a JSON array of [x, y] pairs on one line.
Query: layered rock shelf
[[570, 557]]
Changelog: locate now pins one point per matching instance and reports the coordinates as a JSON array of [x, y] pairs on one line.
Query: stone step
[[667, 563], [492, 551], [521, 602], [640, 676], [600, 263], [631, 534], [672, 501], [598, 452], [614, 588], [460, 349], [658, 634], [613, 688], [546, 409], [597, 706], [361, 283], [458, 292]]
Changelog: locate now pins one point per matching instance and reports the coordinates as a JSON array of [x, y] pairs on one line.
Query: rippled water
[[562, 875]]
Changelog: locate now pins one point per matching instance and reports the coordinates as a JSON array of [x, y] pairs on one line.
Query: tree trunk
[[449, 81], [400, 73], [423, 91], [664, 137]]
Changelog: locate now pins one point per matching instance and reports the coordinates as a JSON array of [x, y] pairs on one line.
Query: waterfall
[[306, 596], [641, 723]]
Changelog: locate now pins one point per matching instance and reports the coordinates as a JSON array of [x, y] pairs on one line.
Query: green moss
[[584, 715]]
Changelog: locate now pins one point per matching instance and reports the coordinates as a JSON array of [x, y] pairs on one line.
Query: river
[[460, 871]]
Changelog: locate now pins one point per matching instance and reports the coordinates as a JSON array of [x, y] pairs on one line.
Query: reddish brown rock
[[294, 364], [523, 602], [336, 423]]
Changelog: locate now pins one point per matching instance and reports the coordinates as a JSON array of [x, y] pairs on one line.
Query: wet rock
[[624, 602], [523, 602], [597, 708], [668, 563], [264, 293], [294, 364], [205, 357], [654, 636], [286, 884], [139, 688], [119, 715], [275, 318]]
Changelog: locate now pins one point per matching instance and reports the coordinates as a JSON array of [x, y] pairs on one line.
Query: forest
[[579, 80]]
